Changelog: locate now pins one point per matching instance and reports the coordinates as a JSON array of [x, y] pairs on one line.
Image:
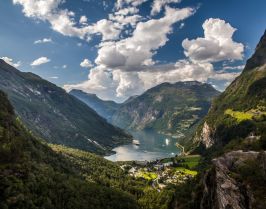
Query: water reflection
[[152, 146]]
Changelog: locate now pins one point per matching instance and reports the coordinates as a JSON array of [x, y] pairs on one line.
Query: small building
[[159, 167], [168, 164], [132, 170]]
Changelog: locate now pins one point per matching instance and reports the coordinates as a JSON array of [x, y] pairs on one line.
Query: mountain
[[173, 109], [36, 175], [32, 175], [232, 141], [54, 115], [239, 113], [130, 99], [106, 109]]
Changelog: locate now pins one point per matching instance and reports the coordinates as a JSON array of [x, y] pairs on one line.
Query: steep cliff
[[240, 110], [236, 180], [231, 178]]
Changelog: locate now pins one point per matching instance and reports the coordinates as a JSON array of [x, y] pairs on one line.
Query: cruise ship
[[136, 142]]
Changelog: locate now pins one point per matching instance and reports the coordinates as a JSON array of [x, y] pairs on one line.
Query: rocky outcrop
[[222, 190], [205, 136], [245, 95]]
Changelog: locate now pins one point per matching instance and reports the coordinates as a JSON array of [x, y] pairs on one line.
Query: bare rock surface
[[221, 189]]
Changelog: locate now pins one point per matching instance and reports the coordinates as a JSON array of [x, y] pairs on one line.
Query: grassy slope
[[34, 176], [103, 172]]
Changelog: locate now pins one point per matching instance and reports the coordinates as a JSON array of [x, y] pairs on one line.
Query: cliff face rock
[[241, 109], [206, 136], [226, 185]]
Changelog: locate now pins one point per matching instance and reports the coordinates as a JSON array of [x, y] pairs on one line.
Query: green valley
[[132, 104], [35, 175], [170, 109]]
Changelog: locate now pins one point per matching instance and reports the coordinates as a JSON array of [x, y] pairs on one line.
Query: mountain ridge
[[104, 108], [171, 109], [162, 108], [259, 57], [56, 116], [240, 110]]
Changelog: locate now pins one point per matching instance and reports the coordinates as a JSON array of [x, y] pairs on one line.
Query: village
[[160, 173]]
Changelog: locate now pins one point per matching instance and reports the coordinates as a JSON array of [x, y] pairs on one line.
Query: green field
[[187, 171], [239, 116], [191, 161], [147, 175]]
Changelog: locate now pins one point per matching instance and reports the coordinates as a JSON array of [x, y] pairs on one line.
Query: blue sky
[[121, 48]]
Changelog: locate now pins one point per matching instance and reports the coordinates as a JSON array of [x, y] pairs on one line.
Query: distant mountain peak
[[259, 57], [262, 42], [102, 107], [78, 91], [168, 108], [7, 66]]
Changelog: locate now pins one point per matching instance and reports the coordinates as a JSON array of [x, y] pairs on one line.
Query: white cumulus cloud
[[119, 85], [238, 67], [125, 67], [216, 45], [127, 11], [159, 4], [125, 63], [40, 61], [108, 29], [123, 3], [83, 20], [61, 20], [125, 20], [129, 54], [54, 77], [86, 63], [44, 40]]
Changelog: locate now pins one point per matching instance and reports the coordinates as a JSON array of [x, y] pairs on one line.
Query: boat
[[136, 142]]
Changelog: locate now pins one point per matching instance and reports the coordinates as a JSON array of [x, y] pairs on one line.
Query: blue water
[[152, 146]]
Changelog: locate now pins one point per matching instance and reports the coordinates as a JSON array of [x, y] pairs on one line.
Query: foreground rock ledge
[[221, 189]]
